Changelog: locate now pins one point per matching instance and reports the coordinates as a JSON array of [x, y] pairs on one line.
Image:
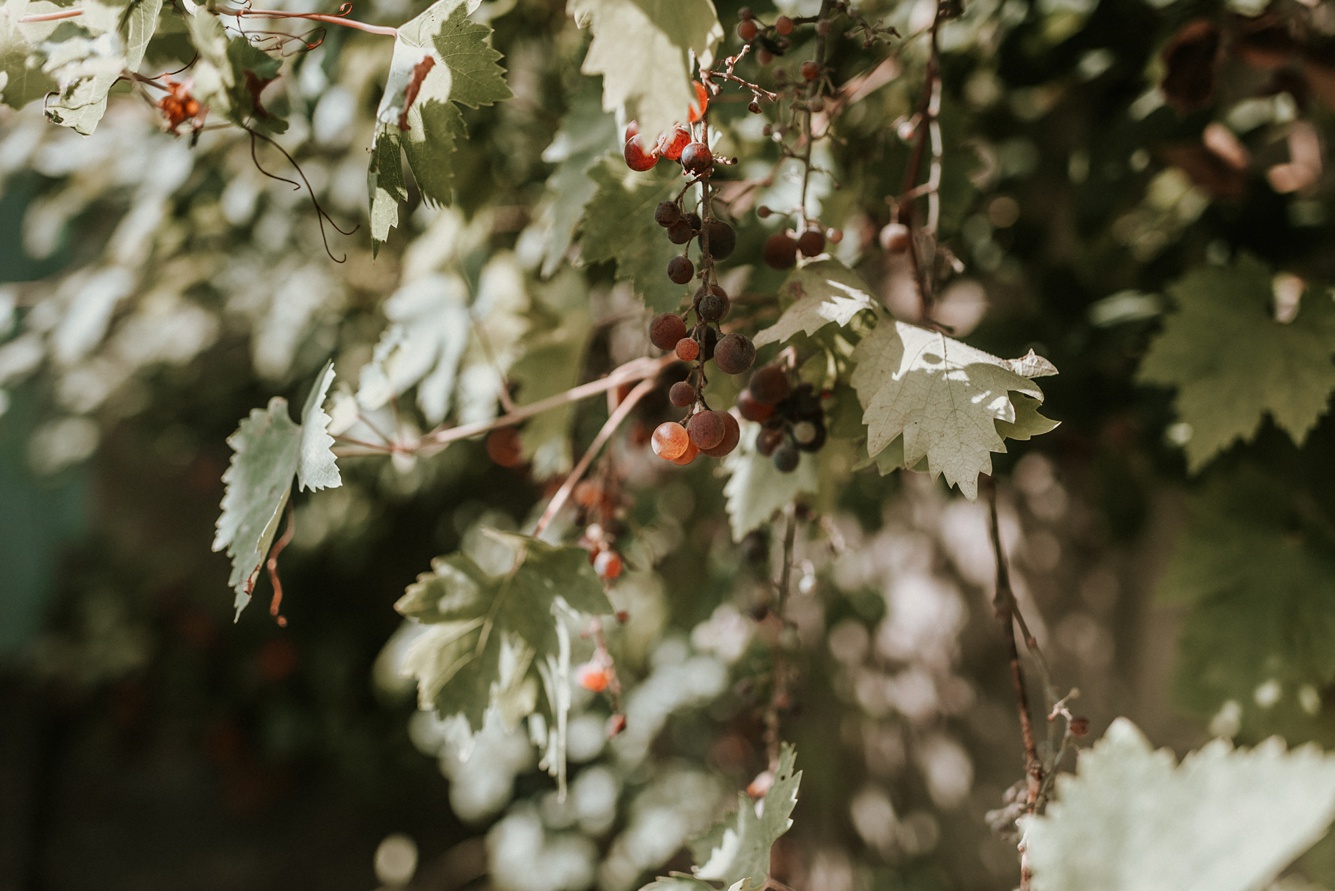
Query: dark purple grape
[[706, 429], [780, 251], [769, 439], [680, 232], [666, 214], [714, 305], [680, 269], [786, 458], [722, 239], [697, 158], [681, 394], [735, 353], [811, 243], [665, 330], [769, 385]]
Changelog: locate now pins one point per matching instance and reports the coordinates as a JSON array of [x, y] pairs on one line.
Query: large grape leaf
[[943, 397], [821, 293], [587, 133], [1232, 362], [231, 74], [268, 451], [422, 347], [756, 489], [620, 226], [737, 850], [21, 77], [441, 61], [1222, 820], [550, 363], [501, 641], [1261, 581], [643, 49]]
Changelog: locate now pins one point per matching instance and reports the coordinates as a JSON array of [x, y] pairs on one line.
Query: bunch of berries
[[792, 418]]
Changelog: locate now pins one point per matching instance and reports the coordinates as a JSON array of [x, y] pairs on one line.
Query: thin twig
[[635, 370], [382, 30], [58, 16], [778, 699], [614, 420]]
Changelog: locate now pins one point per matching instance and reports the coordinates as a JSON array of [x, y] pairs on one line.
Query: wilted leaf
[[1222, 820]]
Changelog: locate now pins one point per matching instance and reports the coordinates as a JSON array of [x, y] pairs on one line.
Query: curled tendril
[[321, 214]]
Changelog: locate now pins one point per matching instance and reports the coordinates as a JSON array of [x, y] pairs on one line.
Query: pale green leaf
[[643, 48], [550, 362], [821, 293], [587, 133], [502, 637], [738, 849], [266, 449], [441, 60], [423, 346], [1232, 362], [942, 396], [316, 465], [21, 77], [620, 226], [1222, 820], [140, 22], [229, 75], [1028, 423], [756, 489]]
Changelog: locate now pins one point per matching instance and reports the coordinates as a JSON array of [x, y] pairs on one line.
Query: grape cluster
[[791, 418], [678, 144]]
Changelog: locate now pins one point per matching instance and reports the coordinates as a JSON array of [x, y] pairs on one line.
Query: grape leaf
[[498, 639], [423, 347], [941, 395], [756, 489], [643, 48], [268, 451], [553, 353], [1258, 577], [86, 68], [586, 134], [737, 850], [230, 74], [1232, 363], [821, 293], [441, 61], [21, 77], [1028, 423], [1222, 820], [620, 226]]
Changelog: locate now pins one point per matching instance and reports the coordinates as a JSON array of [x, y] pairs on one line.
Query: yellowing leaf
[[441, 61], [1232, 363], [643, 48], [1222, 820], [498, 638], [821, 293], [942, 396], [268, 451]]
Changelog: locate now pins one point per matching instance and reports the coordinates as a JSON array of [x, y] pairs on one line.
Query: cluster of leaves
[[481, 315]]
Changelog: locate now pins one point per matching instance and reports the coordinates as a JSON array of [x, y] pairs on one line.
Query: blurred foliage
[[1135, 190]]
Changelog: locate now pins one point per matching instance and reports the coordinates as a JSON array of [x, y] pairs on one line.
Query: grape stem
[[435, 441], [614, 420]]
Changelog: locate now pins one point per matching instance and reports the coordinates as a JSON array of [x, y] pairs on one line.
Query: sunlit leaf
[[822, 293], [942, 396], [1222, 820]]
